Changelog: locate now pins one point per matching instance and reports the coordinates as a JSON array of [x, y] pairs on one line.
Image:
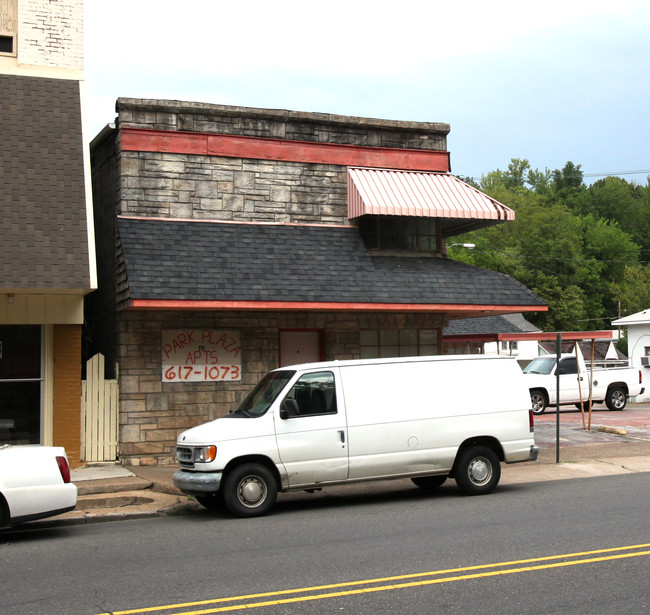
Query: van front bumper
[[197, 483]]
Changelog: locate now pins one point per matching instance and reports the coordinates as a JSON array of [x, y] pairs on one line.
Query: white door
[[569, 386], [313, 443]]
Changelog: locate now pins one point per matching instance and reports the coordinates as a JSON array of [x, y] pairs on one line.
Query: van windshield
[[541, 365], [259, 400]]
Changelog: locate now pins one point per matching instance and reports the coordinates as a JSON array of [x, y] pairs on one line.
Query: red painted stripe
[[551, 337], [177, 304], [207, 144]]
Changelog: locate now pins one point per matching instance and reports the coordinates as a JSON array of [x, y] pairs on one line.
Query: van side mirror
[[288, 408]]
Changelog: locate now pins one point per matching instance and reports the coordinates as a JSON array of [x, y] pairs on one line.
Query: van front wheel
[[249, 490], [429, 483], [477, 470]]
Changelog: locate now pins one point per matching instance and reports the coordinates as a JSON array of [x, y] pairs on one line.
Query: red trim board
[[210, 144]]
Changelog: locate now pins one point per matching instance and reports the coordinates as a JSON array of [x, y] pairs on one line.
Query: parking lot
[[626, 431]]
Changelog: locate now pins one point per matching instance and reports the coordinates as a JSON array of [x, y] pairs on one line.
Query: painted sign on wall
[[198, 355]]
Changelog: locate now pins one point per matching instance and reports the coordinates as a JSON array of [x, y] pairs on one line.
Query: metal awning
[[388, 192]]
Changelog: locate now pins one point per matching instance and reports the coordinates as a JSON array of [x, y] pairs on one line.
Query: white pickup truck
[[611, 386]]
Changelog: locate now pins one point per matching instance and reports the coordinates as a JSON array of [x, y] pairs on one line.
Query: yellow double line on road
[[419, 579]]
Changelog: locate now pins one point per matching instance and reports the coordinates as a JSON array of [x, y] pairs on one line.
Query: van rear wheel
[[429, 483], [477, 470], [249, 490]]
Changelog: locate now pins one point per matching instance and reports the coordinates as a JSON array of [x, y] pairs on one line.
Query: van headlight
[[205, 454]]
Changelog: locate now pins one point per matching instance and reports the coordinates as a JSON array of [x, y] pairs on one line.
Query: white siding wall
[[638, 337], [50, 33]]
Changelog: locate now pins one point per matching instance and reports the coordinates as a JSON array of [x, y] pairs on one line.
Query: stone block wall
[[280, 124], [153, 413], [236, 189], [232, 189]]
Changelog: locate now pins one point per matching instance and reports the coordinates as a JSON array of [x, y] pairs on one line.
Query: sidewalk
[[110, 492]]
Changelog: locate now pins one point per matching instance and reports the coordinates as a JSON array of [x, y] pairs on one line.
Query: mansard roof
[[45, 240]]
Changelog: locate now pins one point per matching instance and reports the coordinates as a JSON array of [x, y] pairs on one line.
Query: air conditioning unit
[[645, 361]]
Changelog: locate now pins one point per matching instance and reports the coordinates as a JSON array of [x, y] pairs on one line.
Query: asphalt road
[[573, 546]]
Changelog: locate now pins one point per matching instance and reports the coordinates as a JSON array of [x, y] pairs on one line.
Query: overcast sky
[[548, 81]]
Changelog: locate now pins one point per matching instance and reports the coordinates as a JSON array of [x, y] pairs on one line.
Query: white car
[[34, 483]]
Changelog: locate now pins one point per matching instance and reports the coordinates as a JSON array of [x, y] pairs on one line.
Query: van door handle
[[342, 434]]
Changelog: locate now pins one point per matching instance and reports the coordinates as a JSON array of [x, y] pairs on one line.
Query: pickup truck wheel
[[430, 483], [538, 401], [213, 501], [616, 398], [477, 470], [249, 490]]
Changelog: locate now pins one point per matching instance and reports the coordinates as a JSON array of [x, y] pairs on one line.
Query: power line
[[613, 174], [604, 174]]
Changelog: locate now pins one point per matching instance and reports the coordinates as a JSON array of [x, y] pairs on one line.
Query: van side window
[[315, 394]]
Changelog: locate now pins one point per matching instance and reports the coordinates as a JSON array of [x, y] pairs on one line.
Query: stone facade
[[219, 188], [159, 184], [281, 124], [153, 413]]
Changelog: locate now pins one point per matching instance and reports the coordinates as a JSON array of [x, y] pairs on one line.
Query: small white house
[[638, 345]]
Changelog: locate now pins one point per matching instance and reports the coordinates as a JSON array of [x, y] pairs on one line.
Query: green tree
[[632, 292], [560, 244]]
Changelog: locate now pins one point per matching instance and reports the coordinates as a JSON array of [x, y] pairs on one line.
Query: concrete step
[[117, 500], [112, 485]]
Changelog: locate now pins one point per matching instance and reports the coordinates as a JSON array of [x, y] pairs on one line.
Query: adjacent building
[[638, 344], [235, 240], [47, 259]]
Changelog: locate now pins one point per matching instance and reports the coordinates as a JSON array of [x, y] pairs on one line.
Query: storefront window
[[20, 384], [387, 343]]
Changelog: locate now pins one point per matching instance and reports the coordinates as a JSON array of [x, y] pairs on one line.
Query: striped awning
[[413, 193]]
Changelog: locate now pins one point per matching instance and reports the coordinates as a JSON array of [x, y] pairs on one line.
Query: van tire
[[616, 398], [477, 470], [211, 501], [538, 400], [249, 490], [429, 483]]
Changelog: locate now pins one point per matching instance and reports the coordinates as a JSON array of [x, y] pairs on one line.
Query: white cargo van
[[307, 426]]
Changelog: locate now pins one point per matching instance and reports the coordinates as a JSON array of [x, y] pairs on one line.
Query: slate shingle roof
[[206, 261], [44, 236], [486, 325]]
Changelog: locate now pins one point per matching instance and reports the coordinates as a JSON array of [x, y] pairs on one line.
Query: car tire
[[249, 490], [477, 471], [429, 483], [539, 401], [616, 399]]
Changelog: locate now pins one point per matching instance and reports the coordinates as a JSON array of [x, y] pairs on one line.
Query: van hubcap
[[480, 471], [252, 491]]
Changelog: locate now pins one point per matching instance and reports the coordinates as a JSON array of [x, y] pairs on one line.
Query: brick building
[[234, 240], [47, 260]]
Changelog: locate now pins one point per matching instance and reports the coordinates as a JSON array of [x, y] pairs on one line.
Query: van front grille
[[185, 456]]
